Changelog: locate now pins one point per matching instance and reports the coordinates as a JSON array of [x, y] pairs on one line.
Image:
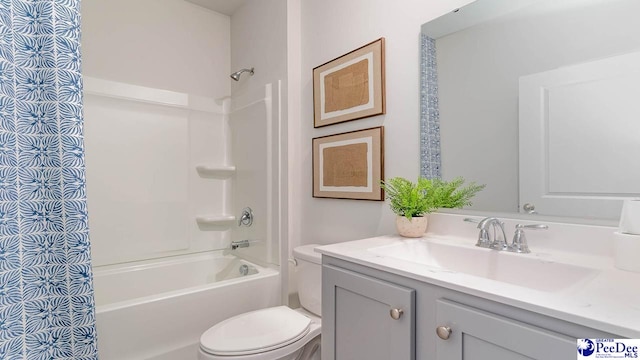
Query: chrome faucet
[[485, 240], [239, 244], [499, 241]]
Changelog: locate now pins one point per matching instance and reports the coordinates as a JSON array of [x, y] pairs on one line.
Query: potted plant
[[413, 202]]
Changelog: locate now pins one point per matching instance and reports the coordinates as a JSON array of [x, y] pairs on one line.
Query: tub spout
[[239, 244], [242, 243]]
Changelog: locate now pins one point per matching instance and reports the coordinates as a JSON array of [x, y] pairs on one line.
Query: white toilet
[[277, 333]]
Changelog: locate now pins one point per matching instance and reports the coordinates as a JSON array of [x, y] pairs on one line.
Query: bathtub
[[158, 309]]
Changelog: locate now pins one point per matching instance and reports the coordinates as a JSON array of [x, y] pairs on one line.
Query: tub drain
[[244, 270]]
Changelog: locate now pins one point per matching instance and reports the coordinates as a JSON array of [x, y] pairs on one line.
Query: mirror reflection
[[537, 99]]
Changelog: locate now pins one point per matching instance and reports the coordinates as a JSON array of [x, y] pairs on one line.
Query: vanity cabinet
[[357, 323], [475, 334], [367, 318]]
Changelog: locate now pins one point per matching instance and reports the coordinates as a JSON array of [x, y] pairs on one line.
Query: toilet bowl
[[276, 333]]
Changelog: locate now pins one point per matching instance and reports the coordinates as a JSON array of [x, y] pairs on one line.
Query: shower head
[[236, 75]]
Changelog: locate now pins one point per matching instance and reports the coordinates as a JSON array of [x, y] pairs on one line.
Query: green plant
[[406, 198], [410, 199]]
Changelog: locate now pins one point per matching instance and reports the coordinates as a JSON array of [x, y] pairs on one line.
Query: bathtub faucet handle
[[246, 218]]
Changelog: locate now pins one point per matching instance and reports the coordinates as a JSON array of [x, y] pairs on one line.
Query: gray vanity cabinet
[[366, 318], [480, 335], [357, 323]]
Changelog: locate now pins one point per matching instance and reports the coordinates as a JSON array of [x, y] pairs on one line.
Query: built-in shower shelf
[[215, 220], [216, 171]]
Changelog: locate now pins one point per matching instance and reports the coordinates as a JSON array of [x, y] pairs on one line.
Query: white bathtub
[[158, 309]]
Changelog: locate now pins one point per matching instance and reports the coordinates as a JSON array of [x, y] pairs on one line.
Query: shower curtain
[[46, 293]]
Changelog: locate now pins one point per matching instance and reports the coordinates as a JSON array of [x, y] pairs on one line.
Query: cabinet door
[[480, 335], [357, 323]]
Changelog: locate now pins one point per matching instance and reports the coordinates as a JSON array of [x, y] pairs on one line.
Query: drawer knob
[[443, 332], [396, 313]]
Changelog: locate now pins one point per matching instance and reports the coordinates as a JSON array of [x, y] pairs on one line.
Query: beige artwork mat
[[351, 86], [349, 165]]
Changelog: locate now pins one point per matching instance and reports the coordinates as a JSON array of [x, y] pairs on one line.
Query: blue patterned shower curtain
[[46, 292]]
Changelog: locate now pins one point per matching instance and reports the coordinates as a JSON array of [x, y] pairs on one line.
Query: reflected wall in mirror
[[555, 67]]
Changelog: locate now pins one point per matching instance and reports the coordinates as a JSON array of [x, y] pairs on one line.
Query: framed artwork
[[350, 87], [349, 165]]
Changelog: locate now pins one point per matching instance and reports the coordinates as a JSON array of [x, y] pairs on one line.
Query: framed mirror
[[538, 100]]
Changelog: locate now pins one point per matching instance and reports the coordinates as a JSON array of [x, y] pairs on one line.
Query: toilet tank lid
[[307, 253]]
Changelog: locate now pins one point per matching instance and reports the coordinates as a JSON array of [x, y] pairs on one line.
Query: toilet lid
[[255, 332]]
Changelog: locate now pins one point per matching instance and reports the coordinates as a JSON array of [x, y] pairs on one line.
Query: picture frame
[[349, 165], [351, 86]]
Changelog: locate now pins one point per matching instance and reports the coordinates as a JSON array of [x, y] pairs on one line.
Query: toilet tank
[[308, 277]]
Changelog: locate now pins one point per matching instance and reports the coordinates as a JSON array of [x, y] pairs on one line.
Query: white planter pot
[[416, 227]]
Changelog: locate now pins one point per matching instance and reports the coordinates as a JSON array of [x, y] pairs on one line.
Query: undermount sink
[[518, 269]]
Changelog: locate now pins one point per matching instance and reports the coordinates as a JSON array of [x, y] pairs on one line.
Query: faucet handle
[[246, 218], [483, 239], [483, 236], [533, 227], [519, 244]]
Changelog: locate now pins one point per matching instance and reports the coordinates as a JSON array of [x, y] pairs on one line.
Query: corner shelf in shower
[[215, 220], [216, 171]]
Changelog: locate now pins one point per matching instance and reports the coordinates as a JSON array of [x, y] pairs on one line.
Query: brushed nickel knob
[[529, 208], [443, 332], [396, 313]]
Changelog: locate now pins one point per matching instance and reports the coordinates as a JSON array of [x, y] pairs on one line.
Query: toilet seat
[[256, 332]]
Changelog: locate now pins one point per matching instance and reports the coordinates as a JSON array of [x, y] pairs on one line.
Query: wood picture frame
[[350, 87], [349, 165]]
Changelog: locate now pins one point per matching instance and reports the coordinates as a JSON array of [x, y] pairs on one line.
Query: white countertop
[[609, 300]]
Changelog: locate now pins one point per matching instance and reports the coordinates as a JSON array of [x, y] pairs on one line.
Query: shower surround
[[193, 239], [173, 157]]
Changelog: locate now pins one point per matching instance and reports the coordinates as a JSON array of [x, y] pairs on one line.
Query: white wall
[[165, 44], [259, 40], [330, 28], [143, 190]]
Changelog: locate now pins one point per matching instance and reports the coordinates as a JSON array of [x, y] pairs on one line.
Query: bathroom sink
[[524, 270]]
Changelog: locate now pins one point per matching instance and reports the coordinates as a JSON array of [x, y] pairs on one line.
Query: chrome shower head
[[236, 75]]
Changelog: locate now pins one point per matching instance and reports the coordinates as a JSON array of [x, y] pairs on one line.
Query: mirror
[[536, 99]]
